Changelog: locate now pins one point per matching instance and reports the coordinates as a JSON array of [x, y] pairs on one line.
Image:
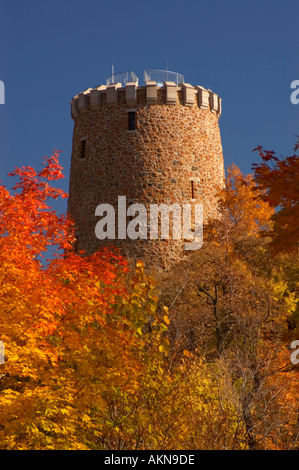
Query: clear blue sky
[[246, 51]]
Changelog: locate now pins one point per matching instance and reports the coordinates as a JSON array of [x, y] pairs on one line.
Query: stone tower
[[154, 144]]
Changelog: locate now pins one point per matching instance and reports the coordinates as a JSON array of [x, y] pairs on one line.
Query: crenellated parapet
[[132, 95]]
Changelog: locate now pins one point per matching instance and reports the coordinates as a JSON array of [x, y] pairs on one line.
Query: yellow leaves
[[139, 331], [86, 419], [8, 396], [27, 372], [186, 353], [166, 316]]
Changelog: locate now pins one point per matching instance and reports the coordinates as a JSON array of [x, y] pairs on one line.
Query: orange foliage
[[279, 181], [248, 213], [88, 364], [69, 323]]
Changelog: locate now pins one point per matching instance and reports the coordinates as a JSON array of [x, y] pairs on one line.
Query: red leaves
[[279, 184], [26, 215], [52, 169]]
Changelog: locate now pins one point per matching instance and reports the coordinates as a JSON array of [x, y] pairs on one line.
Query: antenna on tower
[[112, 76]]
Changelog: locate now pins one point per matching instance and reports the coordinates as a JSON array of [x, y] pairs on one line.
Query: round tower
[[148, 145]]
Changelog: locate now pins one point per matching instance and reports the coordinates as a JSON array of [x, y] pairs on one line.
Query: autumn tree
[[278, 179], [229, 304], [71, 325], [278, 183], [86, 352], [95, 359]]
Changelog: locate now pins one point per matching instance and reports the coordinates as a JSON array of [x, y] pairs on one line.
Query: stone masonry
[[153, 144]]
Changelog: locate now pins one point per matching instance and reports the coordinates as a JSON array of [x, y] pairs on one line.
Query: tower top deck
[[158, 76]]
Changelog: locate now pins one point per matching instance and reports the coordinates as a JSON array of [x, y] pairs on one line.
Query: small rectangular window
[[192, 190], [131, 117], [83, 149]]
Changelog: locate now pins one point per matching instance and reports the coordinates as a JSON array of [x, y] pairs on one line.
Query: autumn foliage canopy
[[100, 356]]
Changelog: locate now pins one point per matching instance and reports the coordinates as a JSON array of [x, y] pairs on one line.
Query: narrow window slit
[[192, 190], [83, 149], [132, 119]]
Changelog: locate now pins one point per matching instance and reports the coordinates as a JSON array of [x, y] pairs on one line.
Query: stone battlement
[[152, 94]]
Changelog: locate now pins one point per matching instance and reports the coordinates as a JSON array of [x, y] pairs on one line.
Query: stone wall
[[174, 155]]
